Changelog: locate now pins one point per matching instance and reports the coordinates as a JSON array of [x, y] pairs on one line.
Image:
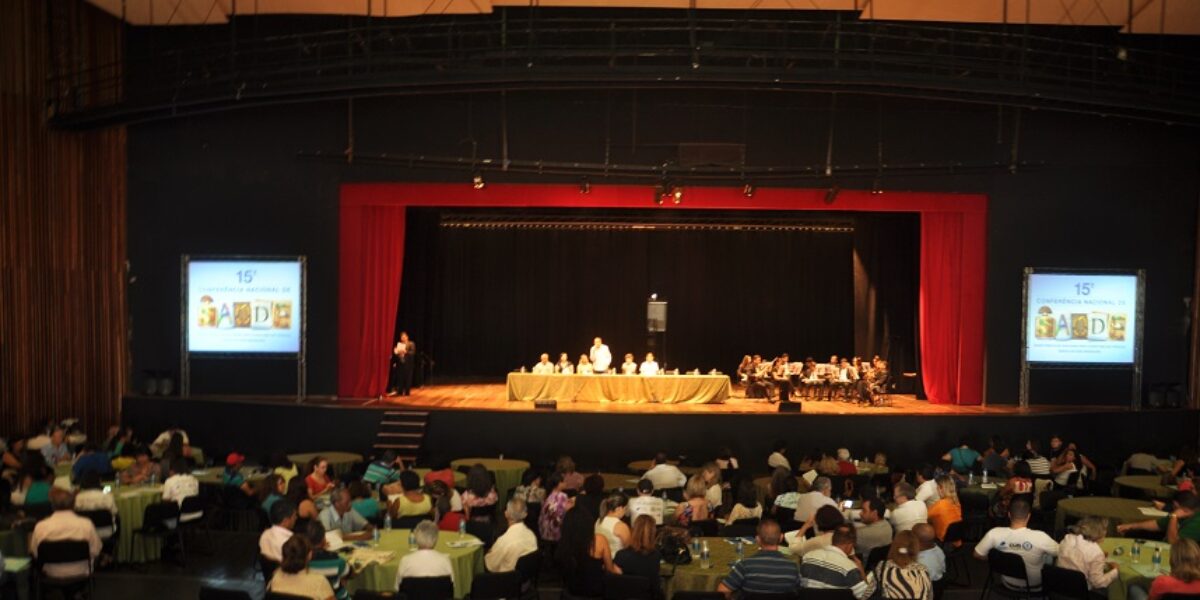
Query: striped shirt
[[908, 583], [378, 474], [1038, 465], [332, 567], [767, 572], [830, 568]]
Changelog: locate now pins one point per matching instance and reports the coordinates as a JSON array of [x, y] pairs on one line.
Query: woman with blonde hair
[[696, 507], [712, 478], [1080, 551], [947, 510], [901, 576], [1185, 571]]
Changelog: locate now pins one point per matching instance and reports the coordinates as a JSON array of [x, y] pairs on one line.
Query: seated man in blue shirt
[[91, 460], [768, 571]]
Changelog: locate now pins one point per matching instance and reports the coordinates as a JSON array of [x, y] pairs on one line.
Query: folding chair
[[741, 528], [627, 587], [705, 528], [1006, 564], [530, 569], [193, 505], [496, 586], [427, 588], [62, 552], [106, 527], [212, 593], [957, 555], [876, 556], [1059, 583], [161, 521]]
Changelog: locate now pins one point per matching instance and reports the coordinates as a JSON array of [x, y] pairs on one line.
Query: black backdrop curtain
[[886, 282], [485, 300]]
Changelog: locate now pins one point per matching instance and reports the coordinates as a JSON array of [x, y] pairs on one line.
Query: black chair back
[[496, 586], [102, 519], [193, 504], [533, 513], [956, 532], [705, 528], [627, 587], [825, 594], [267, 566], [427, 588], [674, 494], [63, 551], [754, 596], [530, 567], [212, 593], [410, 522], [278, 596], [876, 556], [486, 532], [1064, 584], [741, 528], [698, 596], [160, 517]]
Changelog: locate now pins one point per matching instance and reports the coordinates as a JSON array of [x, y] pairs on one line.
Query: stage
[[493, 397]]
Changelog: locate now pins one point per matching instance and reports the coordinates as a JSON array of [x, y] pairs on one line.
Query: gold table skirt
[[667, 389]]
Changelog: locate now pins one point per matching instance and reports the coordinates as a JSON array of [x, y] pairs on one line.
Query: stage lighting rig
[[748, 190], [477, 181]]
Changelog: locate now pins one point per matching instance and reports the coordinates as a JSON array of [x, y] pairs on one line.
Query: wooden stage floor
[[493, 397]]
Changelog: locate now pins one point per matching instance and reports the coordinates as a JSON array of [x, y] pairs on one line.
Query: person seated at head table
[[564, 366], [1182, 522], [585, 366], [649, 366], [543, 366], [745, 369], [412, 502], [341, 516], [629, 367]]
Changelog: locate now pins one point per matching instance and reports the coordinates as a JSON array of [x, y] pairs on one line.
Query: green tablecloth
[[18, 570], [12, 543], [132, 501], [693, 578], [667, 389], [1142, 571], [339, 462], [460, 479], [508, 471], [1150, 484], [1116, 510], [376, 577]]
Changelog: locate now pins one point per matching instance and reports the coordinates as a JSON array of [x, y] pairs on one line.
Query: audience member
[[873, 531], [645, 503], [908, 511], [1182, 522], [270, 490], [835, 566], [695, 506], [283, 519], [64, 525], [444, 514], [712, 478], [362, 500], [479, 500], [996, 457], [293, 577], [554, 508], [610, 524], [327, 564], [1184, 578], [777, 459], [143, 470], [962, 458], [1039, 465], [411, 501], [583, 555], [901, 576], [180, 486], [665, 475], [318, 479], [57, 451], [808, 503], [33, 483], [385, 472], [530, 490], [766, 572], [91, 460], [441, 472], [91, 495], [746, 505], [1080, 551], [1020, 484], [725, 460], [927, 488], [297, 492], [232, 476], [1031, 545], [565, 467], [947, 510], [424, 561], [339, 516], [591, 494], [641, 557], [159, 446], [516, 542], [283, 466], [823, 523], [117, 443], [784, 491], [931, 555]]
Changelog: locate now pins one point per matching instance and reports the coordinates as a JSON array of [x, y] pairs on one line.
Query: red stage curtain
[[372, 255], [951, 307]]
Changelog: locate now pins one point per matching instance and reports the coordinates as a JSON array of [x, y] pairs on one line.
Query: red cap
[[234, 459]]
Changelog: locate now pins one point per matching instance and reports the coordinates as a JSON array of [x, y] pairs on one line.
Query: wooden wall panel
[[62, 226]]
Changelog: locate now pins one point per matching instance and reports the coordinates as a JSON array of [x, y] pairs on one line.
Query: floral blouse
[[550, 521]]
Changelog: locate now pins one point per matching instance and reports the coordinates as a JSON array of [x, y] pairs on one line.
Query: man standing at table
[[600, 356]]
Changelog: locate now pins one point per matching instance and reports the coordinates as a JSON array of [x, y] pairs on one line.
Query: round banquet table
[[692, 578], [460, 479], [132, 501], [340, 462], [1116, 510], [508, 471], [641, 466], [619, 481], [1142, 572], [12, 543], [1151, 485], [215, 475], [993, 487], [376, 577]]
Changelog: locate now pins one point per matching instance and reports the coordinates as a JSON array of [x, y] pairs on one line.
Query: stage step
[[402, 435], [404, 423], [406, 413], [402, 431], [397, 446]]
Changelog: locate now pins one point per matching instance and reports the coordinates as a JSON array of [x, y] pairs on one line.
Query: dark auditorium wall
[[62, 227], [1110, 193]]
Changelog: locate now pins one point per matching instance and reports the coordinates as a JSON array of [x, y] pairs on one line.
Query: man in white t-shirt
[[810, 502], [927, 490], [1034, 547], [908, 511], [664, 474], [600, 356], [646, 503]]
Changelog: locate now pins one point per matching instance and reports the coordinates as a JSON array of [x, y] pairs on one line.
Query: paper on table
[[1151, 512], [810, 476], [464, 543], [987, 486], [333, 541]]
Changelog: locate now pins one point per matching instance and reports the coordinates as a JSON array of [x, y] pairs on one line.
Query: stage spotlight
[[748, 190], [832, 193], [585, 186], [877, 188], [478, 182], [677, 194]]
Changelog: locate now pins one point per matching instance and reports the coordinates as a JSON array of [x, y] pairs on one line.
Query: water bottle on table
[[695, 548], [1156, 560], [1135, 552], [705, 557], [387, 522], [462, 529], [412, 540], [740, 548]]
